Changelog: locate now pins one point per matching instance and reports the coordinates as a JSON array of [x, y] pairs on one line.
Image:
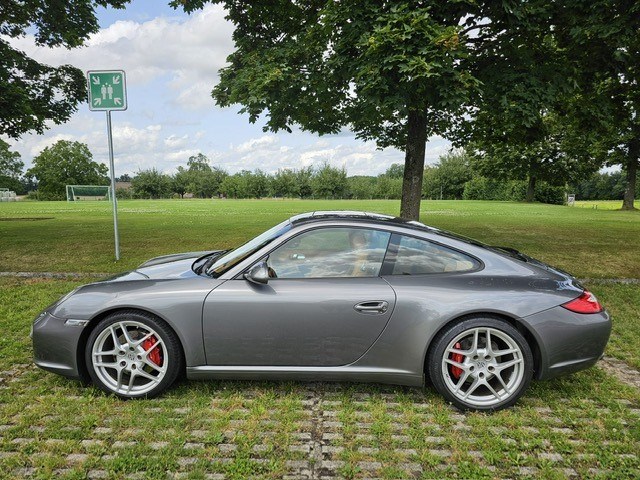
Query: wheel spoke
[[132, 376], [106, 364], [146, 337], [157, 368], [114, 336], [488, 344], [508, 364], [157, 344], [506, 351], [107, 352], [472, 388], [457, 351], [474, 346], [126, 335], [142, 373], [463, 379], [119, 384], [492, 390], [504, 385], [455, 364]]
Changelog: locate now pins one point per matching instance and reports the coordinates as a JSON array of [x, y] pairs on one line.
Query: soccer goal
[[88, 192]]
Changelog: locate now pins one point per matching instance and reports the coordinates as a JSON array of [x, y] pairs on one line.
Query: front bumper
[[568, 341], [55, 345]]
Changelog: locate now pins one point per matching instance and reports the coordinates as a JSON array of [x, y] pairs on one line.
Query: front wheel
[[480, 364], [133, 354]]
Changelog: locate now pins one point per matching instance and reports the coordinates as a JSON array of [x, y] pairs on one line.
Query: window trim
[[393, 247]]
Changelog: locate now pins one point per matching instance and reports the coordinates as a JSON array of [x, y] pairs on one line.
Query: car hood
[[162, 268]]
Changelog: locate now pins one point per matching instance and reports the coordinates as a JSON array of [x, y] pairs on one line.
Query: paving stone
[[553, 457], [54, 441], [440, 453], [158, 445], [528, 471], [123, 444], [185, 461], [226, 447], [91, 443], [77, 457], [193, 445], [24, 472], [563, 430], [96, 474]]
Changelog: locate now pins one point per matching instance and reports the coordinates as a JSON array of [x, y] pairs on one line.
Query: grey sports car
[[331, 296]]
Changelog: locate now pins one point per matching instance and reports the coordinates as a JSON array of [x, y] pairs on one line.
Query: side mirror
[[258, 274]]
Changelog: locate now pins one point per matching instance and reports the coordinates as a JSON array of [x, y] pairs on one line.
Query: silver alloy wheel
[[121, 358], [483, 366]]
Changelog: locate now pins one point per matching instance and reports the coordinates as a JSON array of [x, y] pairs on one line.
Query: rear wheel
[[133, 354], [480, 364]]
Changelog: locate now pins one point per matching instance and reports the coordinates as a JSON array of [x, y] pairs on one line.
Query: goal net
[[88, 192]]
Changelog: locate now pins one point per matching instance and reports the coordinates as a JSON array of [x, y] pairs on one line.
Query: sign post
[[108, 92]]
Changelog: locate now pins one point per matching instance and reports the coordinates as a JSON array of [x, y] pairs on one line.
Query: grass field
[[61, 236], [585, 425]]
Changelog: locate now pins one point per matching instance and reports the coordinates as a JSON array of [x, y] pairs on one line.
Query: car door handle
[[377, 306]]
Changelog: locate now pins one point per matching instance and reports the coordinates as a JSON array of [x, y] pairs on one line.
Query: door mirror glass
[[258, 274]]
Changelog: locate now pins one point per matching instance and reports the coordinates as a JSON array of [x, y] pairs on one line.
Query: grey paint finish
[[308, 329], [307, 322]]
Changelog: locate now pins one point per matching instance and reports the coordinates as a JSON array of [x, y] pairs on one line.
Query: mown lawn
[[585, 425], [78, 237]]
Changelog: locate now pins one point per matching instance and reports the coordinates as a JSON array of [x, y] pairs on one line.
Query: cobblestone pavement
[[623, 372], [50, 426]]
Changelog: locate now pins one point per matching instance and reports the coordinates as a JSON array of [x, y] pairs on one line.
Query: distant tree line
[[460, 174]]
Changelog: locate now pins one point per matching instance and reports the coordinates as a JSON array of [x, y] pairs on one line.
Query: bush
[[483, 188]]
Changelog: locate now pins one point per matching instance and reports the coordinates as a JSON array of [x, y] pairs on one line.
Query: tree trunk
[[632, 173], [413, 166], [531, 189]]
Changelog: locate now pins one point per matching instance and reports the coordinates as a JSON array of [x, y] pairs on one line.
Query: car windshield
[[228, 260]]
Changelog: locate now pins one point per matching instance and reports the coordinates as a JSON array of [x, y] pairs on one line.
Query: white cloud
[[191, 51]]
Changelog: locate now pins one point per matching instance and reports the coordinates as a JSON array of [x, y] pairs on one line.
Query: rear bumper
[[568, 341], [55, 345]]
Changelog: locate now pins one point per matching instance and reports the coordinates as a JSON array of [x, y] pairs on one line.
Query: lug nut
[[123, 364]]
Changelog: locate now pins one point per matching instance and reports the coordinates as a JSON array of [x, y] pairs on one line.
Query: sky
[[171, 61]]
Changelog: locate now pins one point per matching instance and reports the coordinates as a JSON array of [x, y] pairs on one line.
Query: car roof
[[378, 218]]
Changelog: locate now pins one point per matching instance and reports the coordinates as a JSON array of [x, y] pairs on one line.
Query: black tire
[[489, 381], [158, 357]]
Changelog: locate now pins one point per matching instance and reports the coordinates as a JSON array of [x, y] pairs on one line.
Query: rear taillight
[[585, 303]]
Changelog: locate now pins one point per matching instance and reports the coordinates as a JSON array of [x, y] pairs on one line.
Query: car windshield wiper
[[205, 262]]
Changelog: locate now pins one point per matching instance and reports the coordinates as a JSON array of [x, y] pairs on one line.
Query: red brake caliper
[[457, 357], [155, 355]]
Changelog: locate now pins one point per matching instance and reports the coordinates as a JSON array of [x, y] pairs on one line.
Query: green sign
[[107, 90]]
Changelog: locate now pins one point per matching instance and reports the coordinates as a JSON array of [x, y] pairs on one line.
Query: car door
[[323, 305]]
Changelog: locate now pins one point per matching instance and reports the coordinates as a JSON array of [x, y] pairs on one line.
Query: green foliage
[[483, 188], [151, 183], [10, 168], [329, 182], [200, 178], [124, 193], [396, 170], [446, 179], [284, 184], [603, 186], [32, 93], [65, 163]]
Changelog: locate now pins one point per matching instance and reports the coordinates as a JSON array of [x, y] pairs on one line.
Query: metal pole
[[113, 186]]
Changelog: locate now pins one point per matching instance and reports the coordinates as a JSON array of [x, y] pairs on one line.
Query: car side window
[[415, 256], [330, 252]]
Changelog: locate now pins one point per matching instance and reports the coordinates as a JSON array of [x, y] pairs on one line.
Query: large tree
[[32, 93], [389, 71], [603, 39], [10, 168], [65, 163]]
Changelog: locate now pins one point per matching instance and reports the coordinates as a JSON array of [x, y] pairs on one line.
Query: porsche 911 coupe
[[330, 296]]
